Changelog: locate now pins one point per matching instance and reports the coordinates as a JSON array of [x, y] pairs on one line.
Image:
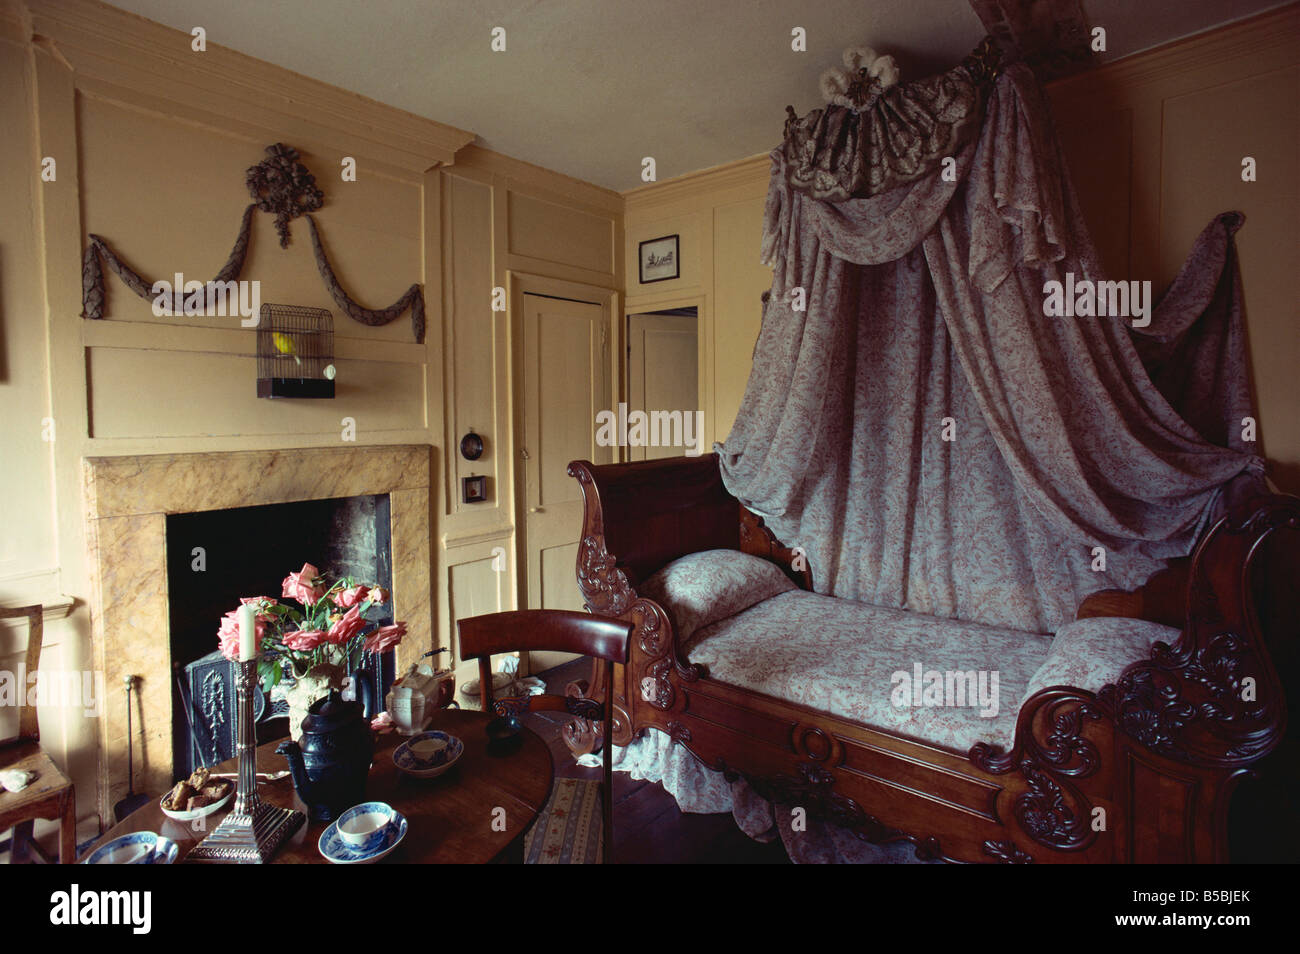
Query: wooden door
[[565, 383]]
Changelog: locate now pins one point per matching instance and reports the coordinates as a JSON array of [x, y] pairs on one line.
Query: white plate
[[198, 812], [339, 852], [407, 762]]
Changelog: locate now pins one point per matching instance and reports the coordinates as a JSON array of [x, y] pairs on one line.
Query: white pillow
[[701, 588]]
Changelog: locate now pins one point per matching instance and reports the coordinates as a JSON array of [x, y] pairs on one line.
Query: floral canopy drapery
[[917, 423]]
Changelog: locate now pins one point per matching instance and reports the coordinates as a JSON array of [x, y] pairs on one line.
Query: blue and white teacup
[[365, 826]]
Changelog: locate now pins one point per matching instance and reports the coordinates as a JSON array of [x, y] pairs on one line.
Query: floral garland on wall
[[283, 187]]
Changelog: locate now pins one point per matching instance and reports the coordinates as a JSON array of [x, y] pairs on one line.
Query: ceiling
[[589, 87]]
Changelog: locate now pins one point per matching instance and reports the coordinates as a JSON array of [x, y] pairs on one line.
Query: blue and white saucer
[[134, 849], [338, 851], [412, 764]]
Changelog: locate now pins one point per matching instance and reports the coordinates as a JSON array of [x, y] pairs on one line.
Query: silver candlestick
[[253, 830]]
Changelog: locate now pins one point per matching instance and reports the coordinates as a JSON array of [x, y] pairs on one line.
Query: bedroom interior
[[915, 429]]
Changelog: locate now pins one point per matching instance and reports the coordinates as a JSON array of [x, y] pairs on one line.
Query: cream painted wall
[[718, 215], [1155, 143], [30, 557], [152, 142], [508, 225]]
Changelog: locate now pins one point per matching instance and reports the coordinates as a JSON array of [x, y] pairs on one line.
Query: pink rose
[[301, 586], [228, 636], [354, 596], [385, 638], [378, 595], [303, 640], [349, 625]]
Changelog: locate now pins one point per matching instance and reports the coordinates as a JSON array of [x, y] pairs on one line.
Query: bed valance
[[922, 424], [882, 137]]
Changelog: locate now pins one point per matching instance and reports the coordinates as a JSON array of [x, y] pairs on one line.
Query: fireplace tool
[[189, 719], [132, 801], [253, 831]]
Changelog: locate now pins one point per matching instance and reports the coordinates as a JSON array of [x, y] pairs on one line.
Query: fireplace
[[129, 501], [216, 556]]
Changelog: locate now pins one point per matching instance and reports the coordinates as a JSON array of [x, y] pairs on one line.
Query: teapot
[[331, 760]]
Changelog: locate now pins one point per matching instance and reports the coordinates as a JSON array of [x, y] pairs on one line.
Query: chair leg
[[68, 830], [607, 760], [20, 843]]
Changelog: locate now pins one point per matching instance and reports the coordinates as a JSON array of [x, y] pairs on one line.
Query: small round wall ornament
[[471, 446]]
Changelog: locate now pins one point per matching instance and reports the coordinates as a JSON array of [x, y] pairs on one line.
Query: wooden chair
[[50, 795], [556, 631]]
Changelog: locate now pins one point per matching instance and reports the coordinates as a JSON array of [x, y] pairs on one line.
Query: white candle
[[247, 633]]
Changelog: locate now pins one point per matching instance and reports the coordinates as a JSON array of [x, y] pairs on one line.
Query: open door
[[662, 369]]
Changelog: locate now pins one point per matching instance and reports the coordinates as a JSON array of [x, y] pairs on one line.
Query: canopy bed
[[931, 475]]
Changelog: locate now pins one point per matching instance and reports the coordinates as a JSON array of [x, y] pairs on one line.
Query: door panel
[[565, 382], [558, 588]]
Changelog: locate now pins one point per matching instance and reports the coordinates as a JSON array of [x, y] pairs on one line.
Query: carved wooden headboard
[[653, 512]]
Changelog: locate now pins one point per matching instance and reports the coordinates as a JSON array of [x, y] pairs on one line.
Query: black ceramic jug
[[330, 762]]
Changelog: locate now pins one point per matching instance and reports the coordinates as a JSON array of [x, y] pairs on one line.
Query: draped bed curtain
[[917, 424]]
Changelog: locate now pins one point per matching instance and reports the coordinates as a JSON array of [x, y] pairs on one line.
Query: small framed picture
[[473, 489], [660, 259]]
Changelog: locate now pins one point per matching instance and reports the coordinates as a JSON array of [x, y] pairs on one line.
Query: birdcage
[[295, 352]]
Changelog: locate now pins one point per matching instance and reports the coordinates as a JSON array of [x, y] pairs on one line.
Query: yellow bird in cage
[[284, 344]]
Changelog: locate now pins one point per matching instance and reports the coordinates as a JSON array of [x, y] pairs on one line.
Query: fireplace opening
[[215, 557]]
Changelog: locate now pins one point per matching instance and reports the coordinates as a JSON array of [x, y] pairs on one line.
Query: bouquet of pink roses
[[327, 629]]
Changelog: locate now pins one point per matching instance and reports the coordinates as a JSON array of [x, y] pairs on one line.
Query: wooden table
[[450, 818]]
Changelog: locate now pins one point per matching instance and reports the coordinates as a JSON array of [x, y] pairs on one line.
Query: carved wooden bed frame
[[1142, 771]]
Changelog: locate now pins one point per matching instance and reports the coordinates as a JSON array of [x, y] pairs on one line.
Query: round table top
[[451, 819]]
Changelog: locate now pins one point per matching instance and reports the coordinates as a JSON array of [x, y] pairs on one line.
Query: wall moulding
[[521, 176], [1271, 35], [473, 537], [47, 586], [745, 174], [141, 57]]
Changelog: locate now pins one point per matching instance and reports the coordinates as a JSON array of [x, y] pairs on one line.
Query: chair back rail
[[29, 729], [482, 637]]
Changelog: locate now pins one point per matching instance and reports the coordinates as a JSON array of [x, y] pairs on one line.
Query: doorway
[[663, 382]]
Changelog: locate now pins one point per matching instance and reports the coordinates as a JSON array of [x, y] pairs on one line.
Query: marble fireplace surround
[[127, 502]]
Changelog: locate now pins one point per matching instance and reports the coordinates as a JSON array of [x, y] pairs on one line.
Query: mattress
[[945, 682]]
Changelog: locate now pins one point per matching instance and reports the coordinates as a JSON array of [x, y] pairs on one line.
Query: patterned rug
[[569, 830]]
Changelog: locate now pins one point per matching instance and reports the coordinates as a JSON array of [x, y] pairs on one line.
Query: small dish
[[198, 812], [137, 848], [365, 826], [410, 763], [429, 748], [337, 851]]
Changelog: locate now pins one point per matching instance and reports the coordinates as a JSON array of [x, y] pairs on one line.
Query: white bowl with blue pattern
[[364, 826], [339, 852], [412, 764], [137, 848]]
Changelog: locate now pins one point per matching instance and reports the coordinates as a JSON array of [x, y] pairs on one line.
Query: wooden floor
[[648, 827]]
